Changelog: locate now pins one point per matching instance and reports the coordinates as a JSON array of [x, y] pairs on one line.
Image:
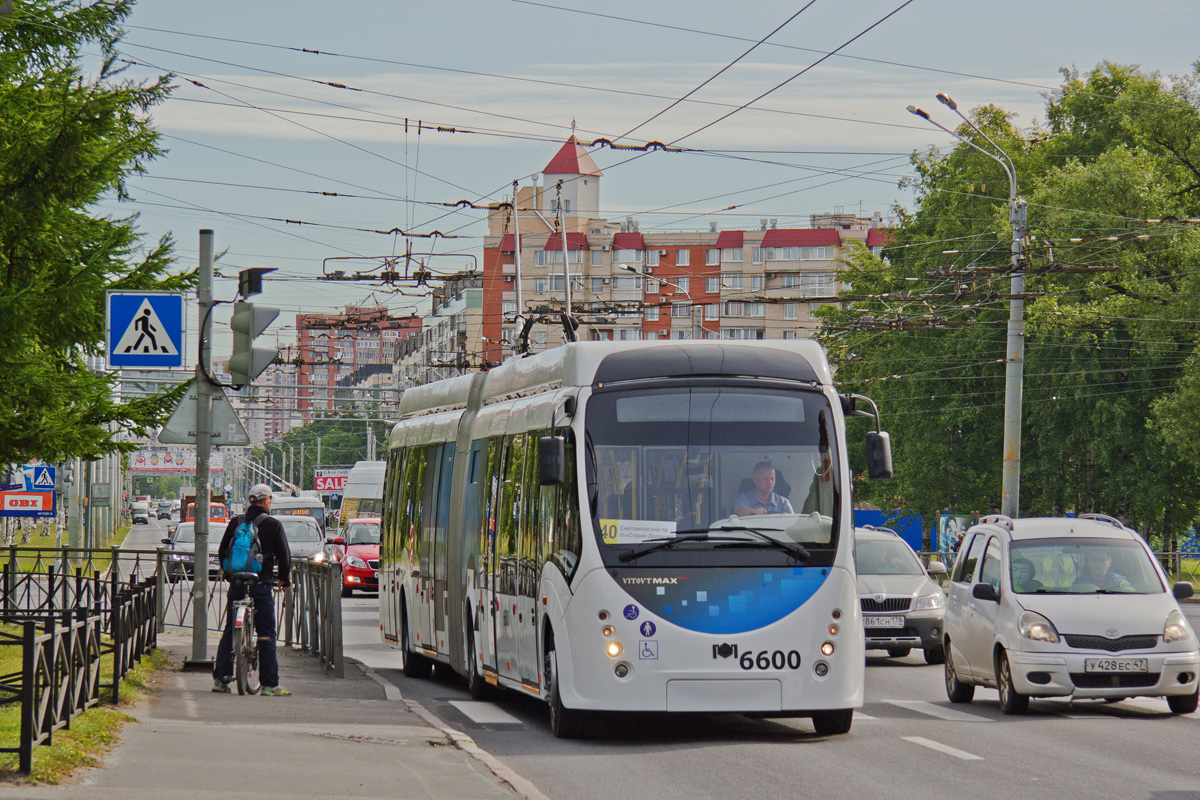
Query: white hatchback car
[[1045, 607]]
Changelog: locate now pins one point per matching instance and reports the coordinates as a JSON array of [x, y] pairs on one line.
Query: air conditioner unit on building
[[508, 278], [647, 270], [663, 252], [606, 247]]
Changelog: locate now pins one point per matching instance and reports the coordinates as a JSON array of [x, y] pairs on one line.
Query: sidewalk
[[331, 739]]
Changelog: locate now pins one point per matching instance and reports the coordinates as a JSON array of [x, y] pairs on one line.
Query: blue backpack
[[246, 553]]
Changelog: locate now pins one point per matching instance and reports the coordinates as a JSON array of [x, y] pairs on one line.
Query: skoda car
[[1045, 607], [902, 606], [358, 551]]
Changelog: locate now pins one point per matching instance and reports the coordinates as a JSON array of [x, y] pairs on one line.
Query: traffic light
[[248, 362]]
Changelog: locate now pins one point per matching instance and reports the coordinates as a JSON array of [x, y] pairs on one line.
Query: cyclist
[[276, 561]]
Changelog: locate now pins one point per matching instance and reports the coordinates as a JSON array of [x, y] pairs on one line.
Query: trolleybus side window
[[492, 477], [560, 517], [476, 483], [414, 485], [509, 514], [431, 455], [530, 552], [443, 511]]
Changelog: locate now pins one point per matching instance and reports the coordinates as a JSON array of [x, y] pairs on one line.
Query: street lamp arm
[[948, 101], [1012, 179]]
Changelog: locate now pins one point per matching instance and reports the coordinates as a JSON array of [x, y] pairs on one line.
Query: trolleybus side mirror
[[552, 456], [879, 455]]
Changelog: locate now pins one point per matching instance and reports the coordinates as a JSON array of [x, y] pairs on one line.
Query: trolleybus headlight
[[607, 631], [833, 630], [827, 648], [614, 649], [603, 615], [622, 669], [822, 669], [837, 613]]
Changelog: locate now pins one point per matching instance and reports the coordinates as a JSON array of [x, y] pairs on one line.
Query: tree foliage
[[1112, 371], [71, 137]]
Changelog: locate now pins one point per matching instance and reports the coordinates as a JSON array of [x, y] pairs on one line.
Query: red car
[[358, 550]]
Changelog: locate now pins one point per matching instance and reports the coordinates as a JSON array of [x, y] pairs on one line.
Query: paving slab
[[332, 738]]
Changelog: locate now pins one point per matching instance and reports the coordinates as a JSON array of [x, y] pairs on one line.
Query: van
[[363, 495]]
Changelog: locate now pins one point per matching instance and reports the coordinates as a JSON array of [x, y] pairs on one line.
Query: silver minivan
[[1044, 607]]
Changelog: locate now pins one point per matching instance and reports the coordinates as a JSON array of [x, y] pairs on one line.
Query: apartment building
[[629, 284]]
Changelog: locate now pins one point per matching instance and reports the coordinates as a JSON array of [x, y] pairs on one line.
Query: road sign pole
[[203, 450]]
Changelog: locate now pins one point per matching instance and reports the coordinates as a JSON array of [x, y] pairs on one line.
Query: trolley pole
[[203, 451]]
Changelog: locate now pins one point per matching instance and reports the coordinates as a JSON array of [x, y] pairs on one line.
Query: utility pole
[[203, 450], [301, 481], [1014, 365]]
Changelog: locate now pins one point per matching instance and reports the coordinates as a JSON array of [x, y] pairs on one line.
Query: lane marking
[[864, 717], [485, 713], [940, 712], [942, 748]]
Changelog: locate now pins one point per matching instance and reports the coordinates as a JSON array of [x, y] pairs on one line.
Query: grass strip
[[91, 734]]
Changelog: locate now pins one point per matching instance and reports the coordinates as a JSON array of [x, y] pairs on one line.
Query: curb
[[462, 741]]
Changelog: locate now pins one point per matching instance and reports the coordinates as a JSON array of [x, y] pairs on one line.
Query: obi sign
[[33, 498], [330, 481]]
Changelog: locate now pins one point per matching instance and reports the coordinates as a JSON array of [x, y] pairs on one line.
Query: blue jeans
[[264, 628]]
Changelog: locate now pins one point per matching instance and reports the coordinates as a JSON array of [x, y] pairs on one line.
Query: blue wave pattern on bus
[[737, 600]]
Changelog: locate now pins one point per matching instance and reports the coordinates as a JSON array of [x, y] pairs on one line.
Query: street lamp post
[[1014, 366]]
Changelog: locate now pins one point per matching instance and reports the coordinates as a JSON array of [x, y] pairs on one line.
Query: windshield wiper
[[663, 544], [705, 535]]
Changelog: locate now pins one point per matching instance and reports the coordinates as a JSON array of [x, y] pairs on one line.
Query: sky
[[257, 136]]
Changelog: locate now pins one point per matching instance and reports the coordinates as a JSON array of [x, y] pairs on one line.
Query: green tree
[[1111, 378], [71, 137]]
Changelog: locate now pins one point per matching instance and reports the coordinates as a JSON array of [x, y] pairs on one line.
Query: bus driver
[[762, 498]]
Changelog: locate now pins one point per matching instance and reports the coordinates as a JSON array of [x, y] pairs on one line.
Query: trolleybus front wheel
[[832, 723], [415, 666], [565, 723]]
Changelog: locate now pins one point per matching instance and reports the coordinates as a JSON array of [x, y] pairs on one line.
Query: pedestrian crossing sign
[[144, 329]]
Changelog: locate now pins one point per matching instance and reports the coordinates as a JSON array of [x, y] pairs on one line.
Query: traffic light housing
[[247, 361]]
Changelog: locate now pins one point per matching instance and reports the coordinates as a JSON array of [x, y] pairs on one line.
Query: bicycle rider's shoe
[[221, 687], [275, 691]]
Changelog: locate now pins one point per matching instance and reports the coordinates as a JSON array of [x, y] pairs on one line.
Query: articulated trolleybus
[[568, 525]]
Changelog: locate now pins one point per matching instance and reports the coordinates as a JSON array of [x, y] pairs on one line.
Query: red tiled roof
[[508, 243], [571, 159], [575, 241], [628, 241], [729, 239], [878, 236], [802, 237]]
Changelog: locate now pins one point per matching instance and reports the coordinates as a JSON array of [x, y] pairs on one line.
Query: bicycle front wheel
[[247, 658]]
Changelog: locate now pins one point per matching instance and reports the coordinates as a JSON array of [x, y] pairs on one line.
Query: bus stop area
[[351, 737]]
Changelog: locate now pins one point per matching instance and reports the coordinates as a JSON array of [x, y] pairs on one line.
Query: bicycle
[[244, 644]]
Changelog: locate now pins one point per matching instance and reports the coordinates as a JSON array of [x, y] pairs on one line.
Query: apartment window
[[712, 334], [597, 285], [816, 284], [597, 258], [683, 258], [734, 309], [629, 283], [652, 258], [790, 335], [712, 311], [712, 285], [756, 255], [628, 256], [791, 311], [651, 313], [732, 254], [712, 257], [508, 307], [681, 309], [756, 283], [816, 253], [812, 307], [544, 257], [755, 309], [782, 253], [743, 333], [539, 285], [539, 338], [556, 283], [566, 205], [681, 334], [732, 280], [684, 285], [789, 281], [651, 286], [629, 336]]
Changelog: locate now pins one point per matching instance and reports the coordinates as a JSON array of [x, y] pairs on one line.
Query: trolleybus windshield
[[698, 464]]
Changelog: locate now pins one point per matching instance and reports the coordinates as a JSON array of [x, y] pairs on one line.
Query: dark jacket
[[277, 557]]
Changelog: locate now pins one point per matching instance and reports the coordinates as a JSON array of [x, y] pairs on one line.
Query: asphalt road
[[907, 741]]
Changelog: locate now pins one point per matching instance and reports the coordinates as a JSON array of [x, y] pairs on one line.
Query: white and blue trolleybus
[[632, 527]]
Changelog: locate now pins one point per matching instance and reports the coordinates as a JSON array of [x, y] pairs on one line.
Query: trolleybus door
[[425, 563], [529, 565], [507, 558]]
